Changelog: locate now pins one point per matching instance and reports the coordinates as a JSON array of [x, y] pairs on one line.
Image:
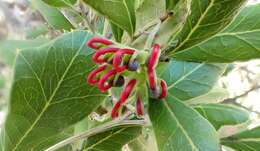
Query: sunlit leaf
[[49, 92], [9, 48], [119, 12], [60, 3], [248, 140], [179, 127], [219, 114], [239, 42], [206, 18], [52, 15], [187, 80], [113, 139]]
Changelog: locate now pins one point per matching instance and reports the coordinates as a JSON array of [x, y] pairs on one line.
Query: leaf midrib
[[185, 76], [180, 126], [196, 26], [104, 139], [216, 36], [53, 94], [244, 140], [129, 17]]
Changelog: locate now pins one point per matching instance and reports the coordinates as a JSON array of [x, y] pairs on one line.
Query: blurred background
[[240, 85]]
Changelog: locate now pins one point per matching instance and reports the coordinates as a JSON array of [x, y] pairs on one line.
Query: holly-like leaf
[[119, 12], [248, 140], [114, 139], [219, 114], [52, 15], [9, 48], [207, 18], [49, 92], [60, 3], [239, 42], [179, 127], [188, 80], [117, 32]]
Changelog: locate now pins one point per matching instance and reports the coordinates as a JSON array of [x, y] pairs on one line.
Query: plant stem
[[96, 130], [151, 36]]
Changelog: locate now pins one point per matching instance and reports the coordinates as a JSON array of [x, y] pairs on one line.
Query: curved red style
[[102, 82], [127, 91], [154, 56], [91, 77], [139, 106], [96, 57], [152, 79], [163, 89], [118, 57], [97, 40], [114, 112]]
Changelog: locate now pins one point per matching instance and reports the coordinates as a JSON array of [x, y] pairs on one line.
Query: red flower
[[152, 79], [139, 106], [154, 57], [96, 40], [96, 57], [117, 60], [127, 91], [163, 89], [110, 75], [114, 113], [114, 78], [91, 77]]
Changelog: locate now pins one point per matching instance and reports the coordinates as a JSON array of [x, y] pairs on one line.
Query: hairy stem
[[96, 130]]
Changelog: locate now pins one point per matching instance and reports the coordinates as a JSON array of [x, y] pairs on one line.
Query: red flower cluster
[[112, 64]]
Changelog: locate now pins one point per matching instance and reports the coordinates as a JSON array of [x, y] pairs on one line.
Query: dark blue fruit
[[133, 65], [120, 81]]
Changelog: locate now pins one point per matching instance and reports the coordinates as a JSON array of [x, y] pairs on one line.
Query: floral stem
[[96, 130]]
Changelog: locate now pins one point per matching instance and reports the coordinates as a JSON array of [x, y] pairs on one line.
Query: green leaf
[[52, 15], [60, 3], [174, 23], [9, 48], [119, 12], [148, 11], [37, 31], [239, 42], [219, 114], [170, 4], [207, 18], [117, 32], [80, 127], [215, 95], [49, 92], [114, 139], [145, 142], [178, 127], [188, 80], [248, 140]]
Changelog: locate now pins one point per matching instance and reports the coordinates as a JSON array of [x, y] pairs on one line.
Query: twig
[[152, 24], [233, 100], [151, 36], [96, 130]]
